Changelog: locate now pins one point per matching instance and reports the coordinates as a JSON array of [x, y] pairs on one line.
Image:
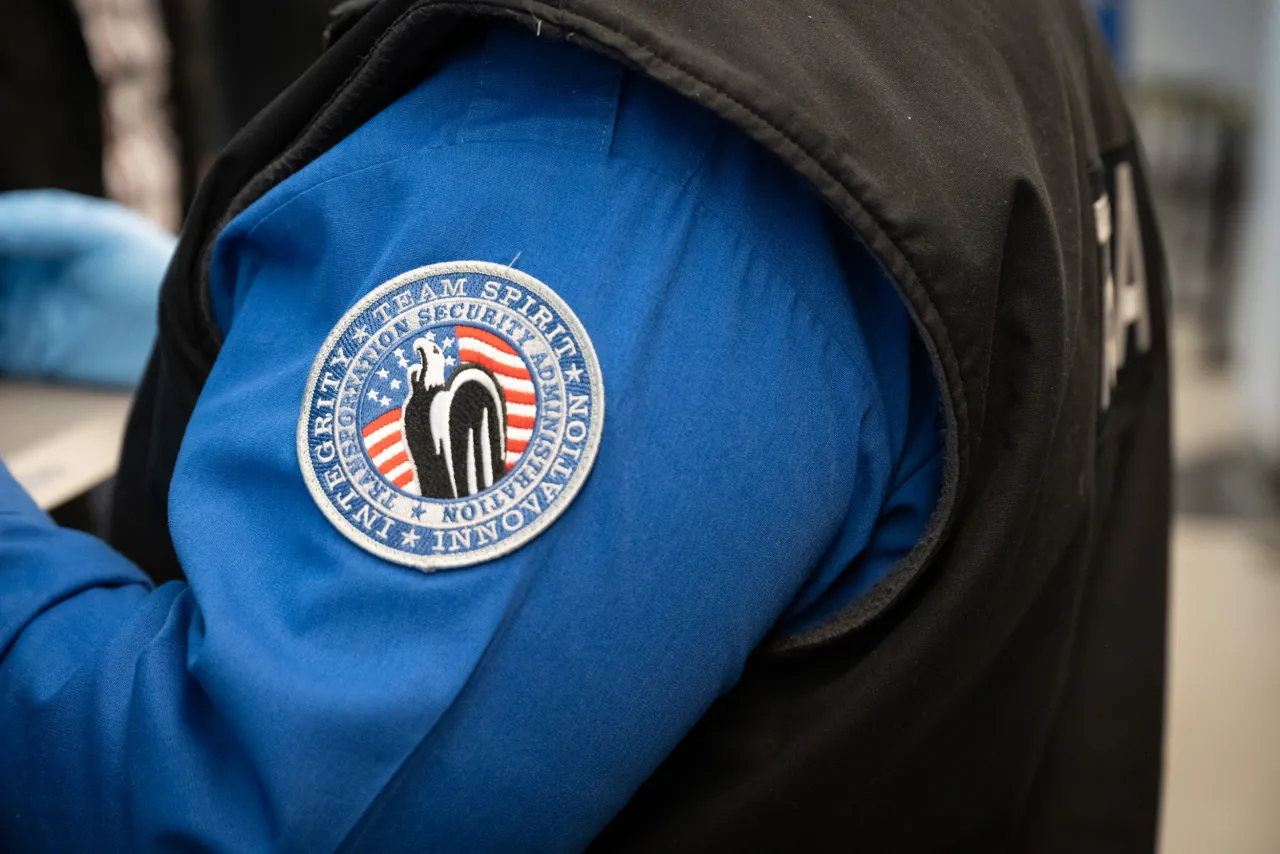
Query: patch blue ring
[[426, 532]]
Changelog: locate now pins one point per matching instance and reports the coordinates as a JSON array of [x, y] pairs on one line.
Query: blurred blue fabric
[[79, 279], [1113, 19]]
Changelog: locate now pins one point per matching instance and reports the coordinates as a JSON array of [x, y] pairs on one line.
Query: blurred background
[[1204, 80], [131, 99]]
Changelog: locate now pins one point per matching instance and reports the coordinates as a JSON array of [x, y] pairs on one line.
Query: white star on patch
[[361, 334], [395, 384], [431, 338], [373, 395], [386, 401], [383, 373], [410, 538], [574, 374], [448, 342], [449, 360]]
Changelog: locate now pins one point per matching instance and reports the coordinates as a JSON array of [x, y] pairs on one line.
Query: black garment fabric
[[259, 48], [232, 57], [1000, 690], [49, 100]]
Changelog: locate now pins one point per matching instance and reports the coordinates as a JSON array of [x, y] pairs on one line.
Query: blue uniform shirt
[[771, 448]]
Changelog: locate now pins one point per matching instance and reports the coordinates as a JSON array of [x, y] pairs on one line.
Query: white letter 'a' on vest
[[1125, 298]]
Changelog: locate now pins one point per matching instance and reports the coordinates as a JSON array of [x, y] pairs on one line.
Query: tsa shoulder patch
[[451, 416]]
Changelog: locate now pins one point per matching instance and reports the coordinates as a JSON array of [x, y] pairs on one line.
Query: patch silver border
[[432, 563]]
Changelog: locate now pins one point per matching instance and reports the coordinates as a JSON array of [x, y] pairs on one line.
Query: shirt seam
[[680, 187]]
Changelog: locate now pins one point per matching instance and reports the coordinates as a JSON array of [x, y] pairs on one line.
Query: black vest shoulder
[[1002, 688]]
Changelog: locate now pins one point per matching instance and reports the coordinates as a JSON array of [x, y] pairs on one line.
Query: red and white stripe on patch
[[384, 440], [490, 351]]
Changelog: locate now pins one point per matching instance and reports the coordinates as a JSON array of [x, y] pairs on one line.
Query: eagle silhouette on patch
[[452, 415], [467, 417]]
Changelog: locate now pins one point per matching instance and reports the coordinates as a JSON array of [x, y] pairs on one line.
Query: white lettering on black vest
[[1125, 302]]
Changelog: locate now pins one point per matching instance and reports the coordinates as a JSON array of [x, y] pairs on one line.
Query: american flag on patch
[[384, 440], [384, 434], [490, 351]]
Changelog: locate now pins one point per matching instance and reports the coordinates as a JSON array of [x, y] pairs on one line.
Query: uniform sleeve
[[302, 687]]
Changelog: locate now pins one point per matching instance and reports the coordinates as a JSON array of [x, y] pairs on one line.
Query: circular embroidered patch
[[451, 415]]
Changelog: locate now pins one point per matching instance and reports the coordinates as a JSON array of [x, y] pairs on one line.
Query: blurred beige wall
[[1257, 322]]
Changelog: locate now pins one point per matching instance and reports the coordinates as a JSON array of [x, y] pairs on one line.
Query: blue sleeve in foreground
[[45, 569], [300, 683]]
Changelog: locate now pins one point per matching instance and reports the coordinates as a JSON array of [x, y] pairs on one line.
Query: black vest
[[1002, 688]]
